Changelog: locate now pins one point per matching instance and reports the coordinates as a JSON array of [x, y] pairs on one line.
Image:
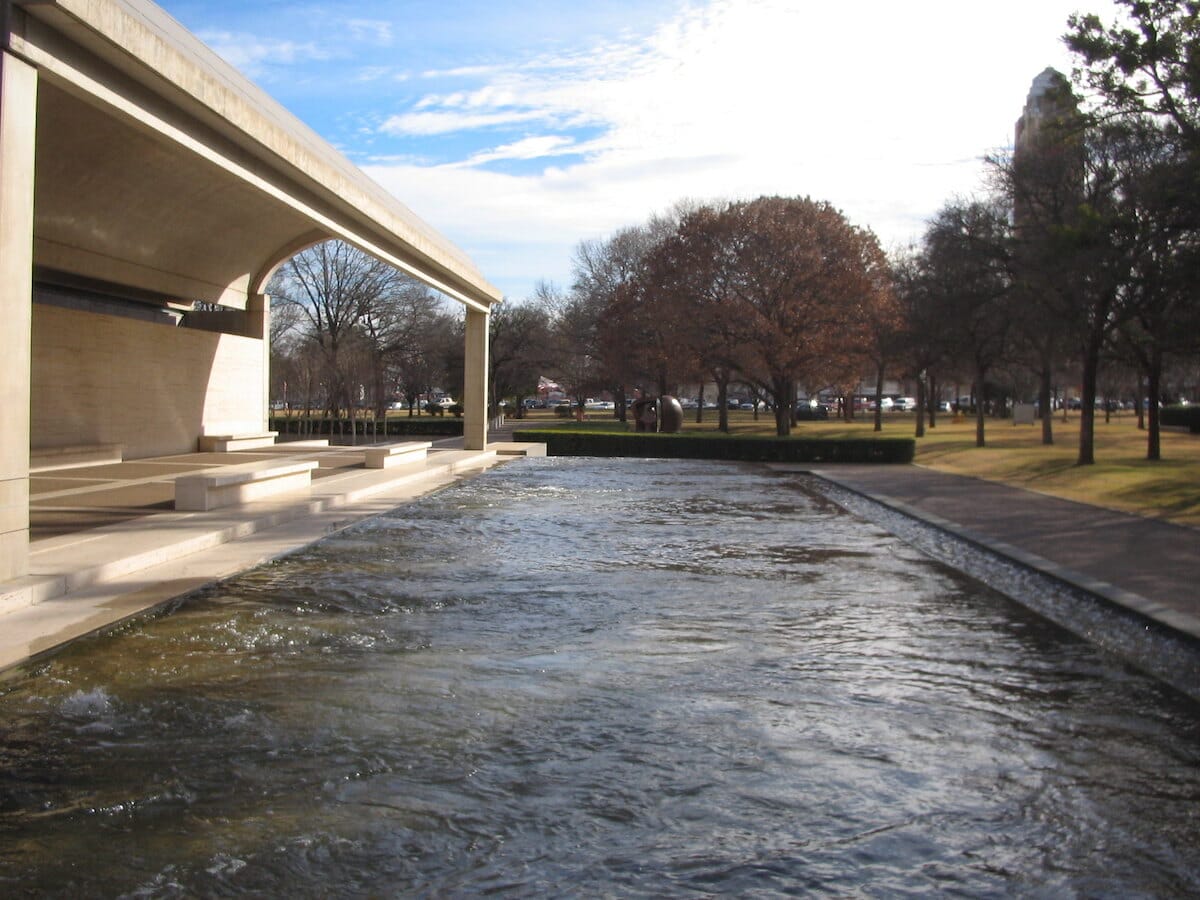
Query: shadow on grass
[[928, 452], [1038, 469], [1167, 495]]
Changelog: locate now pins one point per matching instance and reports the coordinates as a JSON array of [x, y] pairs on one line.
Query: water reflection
[[599, 677]]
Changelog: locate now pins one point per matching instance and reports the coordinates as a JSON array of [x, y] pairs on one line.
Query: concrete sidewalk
[[1141, 564], [107, 545]]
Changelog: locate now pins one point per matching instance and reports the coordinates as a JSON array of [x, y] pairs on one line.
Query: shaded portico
[[138, 174]]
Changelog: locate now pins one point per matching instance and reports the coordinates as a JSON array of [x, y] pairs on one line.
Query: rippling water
[[600, 678]]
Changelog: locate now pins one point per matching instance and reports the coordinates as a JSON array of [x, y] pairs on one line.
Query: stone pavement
[[1138, 563]]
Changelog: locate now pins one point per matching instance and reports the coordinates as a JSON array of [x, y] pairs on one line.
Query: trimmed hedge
[[704, 446], [441, 427], [1181, 417]]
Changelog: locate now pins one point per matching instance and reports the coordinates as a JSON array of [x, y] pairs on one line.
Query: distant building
[[1050, 97], [1047, 167]]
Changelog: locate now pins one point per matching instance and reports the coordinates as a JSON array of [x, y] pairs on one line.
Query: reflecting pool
[[600, 678]]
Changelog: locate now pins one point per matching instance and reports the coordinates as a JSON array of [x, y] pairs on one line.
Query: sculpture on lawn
[[662, 414]]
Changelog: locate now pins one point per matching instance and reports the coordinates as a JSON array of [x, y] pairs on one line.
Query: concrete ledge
[[387, 455], [230, 485], [45, 459], [225, 443], [517, 448], [1177, 620]]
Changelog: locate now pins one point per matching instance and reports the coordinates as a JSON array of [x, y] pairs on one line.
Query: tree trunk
[[980, 374], [1044, 406], [932, 402], [783, 421], [722, 405], [700, 404], [878, 397], [920, 429], [1087, 412], [1153, 432]]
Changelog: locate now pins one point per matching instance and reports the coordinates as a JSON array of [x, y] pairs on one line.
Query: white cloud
[[375, 31], [459, 72], [427, 123], [251, 54], [883, 109], [528, 148]]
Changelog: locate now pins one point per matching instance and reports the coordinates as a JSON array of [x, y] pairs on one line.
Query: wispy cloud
[[375, 31], [252, 54], [428, 123], [460, 72], [517, 147], [528, 148], [885, 111]]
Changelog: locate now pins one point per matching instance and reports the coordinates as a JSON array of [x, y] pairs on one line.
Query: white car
[[902, 404]]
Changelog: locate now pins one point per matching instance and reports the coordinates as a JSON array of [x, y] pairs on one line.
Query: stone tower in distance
[[1050, 97]]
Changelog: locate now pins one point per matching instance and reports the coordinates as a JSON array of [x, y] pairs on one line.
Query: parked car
[[808, 413], [904, 404]]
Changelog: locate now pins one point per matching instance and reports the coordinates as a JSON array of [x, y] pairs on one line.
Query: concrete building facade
[[139, 174]]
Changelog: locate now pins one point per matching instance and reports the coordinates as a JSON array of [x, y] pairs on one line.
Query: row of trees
[[771, 294], [1081, 257], [1084, 254]]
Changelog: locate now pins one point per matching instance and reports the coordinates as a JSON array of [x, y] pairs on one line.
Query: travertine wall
[[99, 379], [18, 94]]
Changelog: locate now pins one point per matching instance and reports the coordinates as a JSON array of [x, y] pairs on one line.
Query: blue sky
[[519, 128]]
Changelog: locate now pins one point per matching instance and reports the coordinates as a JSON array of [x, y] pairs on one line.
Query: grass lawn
[[1122, 478]]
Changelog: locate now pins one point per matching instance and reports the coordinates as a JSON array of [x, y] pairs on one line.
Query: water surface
[[600, 678]]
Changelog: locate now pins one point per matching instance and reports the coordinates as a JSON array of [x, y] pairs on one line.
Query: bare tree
[[332, 285]]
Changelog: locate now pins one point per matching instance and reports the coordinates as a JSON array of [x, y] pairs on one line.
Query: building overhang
[[161, 168]]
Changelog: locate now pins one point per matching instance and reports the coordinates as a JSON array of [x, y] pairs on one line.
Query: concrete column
[[18, 115], [258, 325], [475, 381]]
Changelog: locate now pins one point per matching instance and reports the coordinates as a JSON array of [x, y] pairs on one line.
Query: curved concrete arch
[[258, 281]]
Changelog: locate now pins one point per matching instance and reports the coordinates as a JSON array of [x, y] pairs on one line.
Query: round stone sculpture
[[670, 414]]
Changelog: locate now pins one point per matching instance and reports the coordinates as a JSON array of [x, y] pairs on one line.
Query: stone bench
[[229, 485], [385, 456], [43, 459], [225, 443]]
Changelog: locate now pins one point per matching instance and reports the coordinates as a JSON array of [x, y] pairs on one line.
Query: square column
[[475, 381], [258, 326], [18, 115]]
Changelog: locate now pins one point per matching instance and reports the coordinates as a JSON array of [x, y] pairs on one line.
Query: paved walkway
[[1138, 563], [107, 543]]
